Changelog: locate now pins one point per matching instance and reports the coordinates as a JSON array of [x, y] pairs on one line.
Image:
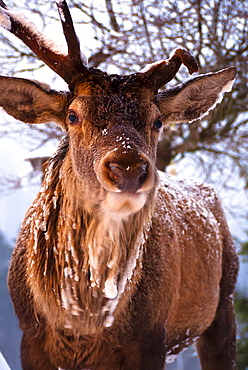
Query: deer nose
[[130, 172], [127, 178]]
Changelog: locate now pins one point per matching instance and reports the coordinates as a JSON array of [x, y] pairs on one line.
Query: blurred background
[[122, 36]]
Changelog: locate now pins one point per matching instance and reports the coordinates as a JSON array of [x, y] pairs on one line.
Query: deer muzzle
[[126, 172]]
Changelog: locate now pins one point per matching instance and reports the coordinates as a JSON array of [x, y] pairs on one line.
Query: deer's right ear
[[32, 102]]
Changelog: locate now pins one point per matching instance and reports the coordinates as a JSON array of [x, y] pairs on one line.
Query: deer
[[118, 265]]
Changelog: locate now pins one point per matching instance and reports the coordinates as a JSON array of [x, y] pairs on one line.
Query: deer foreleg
[[217, 345]]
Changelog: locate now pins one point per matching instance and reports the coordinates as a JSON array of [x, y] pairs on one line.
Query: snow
[[14, 202], [47, 150], [61, 12], [152, 65], [16, 198], [133, 263], [110, 288], [5, 21], [3, 363], [12, 158]]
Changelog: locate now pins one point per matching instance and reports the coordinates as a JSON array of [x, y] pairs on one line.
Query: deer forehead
[[113, 108]]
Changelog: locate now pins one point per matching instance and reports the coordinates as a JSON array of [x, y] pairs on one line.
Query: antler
[[66, 66], [163, 71], [74, 52], [70, 65]]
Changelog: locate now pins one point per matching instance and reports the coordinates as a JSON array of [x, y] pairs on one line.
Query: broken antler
[[163, 71]]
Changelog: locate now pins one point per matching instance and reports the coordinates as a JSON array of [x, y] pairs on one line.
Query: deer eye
[[157, 124], [72, 117]]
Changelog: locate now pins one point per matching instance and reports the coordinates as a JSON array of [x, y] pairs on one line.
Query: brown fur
[[170, 301], [118, 266]]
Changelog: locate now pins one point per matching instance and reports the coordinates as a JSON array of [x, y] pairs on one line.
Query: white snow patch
[[110, 288], [42, 40], [171, 358], [108, 321], [3, 363], [104, 132], [152, 65], [134, 262], [61, 13], [5, 20]]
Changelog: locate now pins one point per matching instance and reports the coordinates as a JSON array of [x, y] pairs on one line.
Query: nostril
[[114, 172]]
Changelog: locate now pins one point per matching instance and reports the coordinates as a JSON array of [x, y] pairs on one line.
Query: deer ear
[[196, 97], [32, 102]]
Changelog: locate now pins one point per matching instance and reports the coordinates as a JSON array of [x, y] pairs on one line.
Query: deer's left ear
[[32, 102], [196, 97]]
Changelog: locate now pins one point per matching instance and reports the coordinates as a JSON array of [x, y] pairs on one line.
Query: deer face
[[113, 137], [113, 122]]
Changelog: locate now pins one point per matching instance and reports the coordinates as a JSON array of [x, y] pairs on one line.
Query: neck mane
[[84, 263]]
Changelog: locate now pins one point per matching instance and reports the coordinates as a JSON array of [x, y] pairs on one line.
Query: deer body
[[166, 303], [118, 266]]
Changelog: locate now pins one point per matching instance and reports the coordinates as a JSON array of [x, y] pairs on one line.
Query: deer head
[[113, 122]]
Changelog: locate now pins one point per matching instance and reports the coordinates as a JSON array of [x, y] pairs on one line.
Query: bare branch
[[113, 21]]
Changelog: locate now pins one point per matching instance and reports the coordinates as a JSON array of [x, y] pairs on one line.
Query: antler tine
[[44, 48], [163, 71], [71, 37]]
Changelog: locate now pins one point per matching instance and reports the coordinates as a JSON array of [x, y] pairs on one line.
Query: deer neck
[[84, 262], [112, 250]]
